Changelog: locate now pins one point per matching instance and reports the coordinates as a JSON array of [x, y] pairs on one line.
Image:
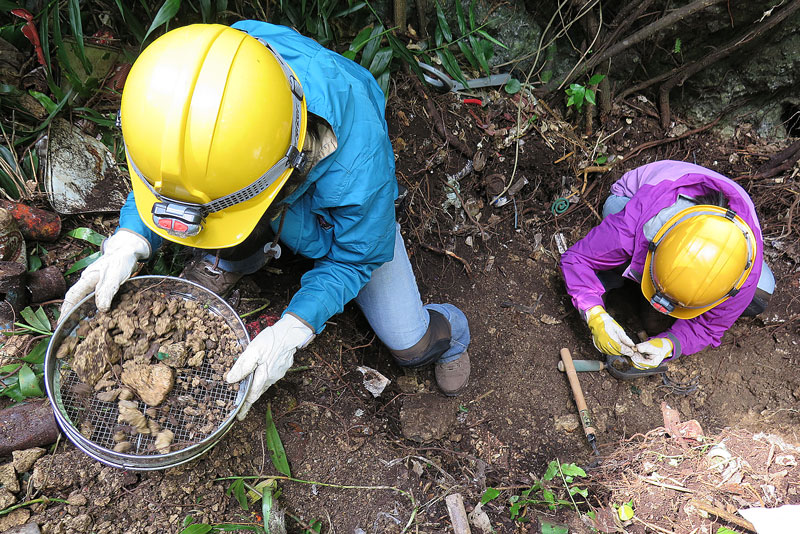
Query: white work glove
[[651, 353], [121, 252], [270, 355], [608, 336]]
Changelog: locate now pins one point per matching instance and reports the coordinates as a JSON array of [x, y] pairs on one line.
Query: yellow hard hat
[[701, 257], [214, 122]]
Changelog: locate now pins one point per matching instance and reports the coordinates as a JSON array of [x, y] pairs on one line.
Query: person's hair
[[714, 198]]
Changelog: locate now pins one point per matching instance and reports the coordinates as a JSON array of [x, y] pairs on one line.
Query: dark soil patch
[[517, 415]]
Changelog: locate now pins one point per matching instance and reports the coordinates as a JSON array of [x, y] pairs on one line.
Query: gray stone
[[27, 528], [15, 518], [24, 460], [427, 417], [8, 478], [6, 498]]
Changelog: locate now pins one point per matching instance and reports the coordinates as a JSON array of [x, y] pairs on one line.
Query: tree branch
[[685, 72]]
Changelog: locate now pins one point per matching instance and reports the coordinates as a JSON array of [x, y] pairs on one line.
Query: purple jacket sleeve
[[609, 245]]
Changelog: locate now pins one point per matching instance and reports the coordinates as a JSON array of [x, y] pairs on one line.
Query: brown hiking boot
[[203, 272], [453, 377]]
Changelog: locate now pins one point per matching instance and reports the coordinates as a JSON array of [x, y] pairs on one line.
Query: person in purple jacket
[[691, 238]]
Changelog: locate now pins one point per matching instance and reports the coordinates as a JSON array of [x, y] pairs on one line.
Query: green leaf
[[188, 520], [548, 496], [6, 5], [13, 393], [36, 319], [381, 62], [266, 507], [197, 528], [274, 445], [46, 102], [442, 23], [34, 263], [480, 55], [489, 495], [82, 263], [597, 78], [551, 528], [589, 94], [725, 530], [239, 493], [371, 46], [76, 24], [37, 354], [167, 11], [572, 470], [131, 21], [552, 470], [492, 39], [358, 43], [28, 383], [601, 159], [513, 86]]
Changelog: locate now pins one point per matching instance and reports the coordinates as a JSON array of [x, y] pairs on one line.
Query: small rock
[[567, 423], [16, 518], [646, 396], [77, 499], [6, 498], [27, 528], [8, 478], [549, 319], [24, 460], [408, 384], [426, 417]]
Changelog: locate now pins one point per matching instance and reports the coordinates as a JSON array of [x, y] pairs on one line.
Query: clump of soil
[[147, 377]]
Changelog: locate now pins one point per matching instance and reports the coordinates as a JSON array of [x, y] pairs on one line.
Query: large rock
[[427, 417]]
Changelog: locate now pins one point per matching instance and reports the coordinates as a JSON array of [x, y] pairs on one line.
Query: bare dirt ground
[[363, 475]]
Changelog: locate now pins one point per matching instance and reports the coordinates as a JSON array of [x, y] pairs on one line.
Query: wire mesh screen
[[196, 411], [96, 420]]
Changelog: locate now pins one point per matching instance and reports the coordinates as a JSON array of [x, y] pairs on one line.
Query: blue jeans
[[392, 305], [390, 301]]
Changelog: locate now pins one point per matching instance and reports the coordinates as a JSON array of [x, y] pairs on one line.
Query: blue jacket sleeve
[[129, 219], [362, 239]]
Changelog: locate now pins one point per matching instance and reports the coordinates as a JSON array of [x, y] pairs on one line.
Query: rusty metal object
[[34, 223], [26, 425], [12, 244], [46, 284], [80, 174], [12, 285]]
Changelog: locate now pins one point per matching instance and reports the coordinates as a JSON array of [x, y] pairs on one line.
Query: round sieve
[[91, 423]]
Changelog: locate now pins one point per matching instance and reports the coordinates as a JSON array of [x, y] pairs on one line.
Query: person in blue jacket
[[243, 139]]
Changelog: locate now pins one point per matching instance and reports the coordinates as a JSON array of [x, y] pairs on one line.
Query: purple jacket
[[619, 241]]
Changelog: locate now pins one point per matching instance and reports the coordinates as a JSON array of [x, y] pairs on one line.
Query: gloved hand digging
[[608, 336], [121, 252], [652, 352], [270, 355]]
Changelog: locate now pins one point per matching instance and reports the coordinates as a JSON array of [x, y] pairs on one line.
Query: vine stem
[[28, 503]]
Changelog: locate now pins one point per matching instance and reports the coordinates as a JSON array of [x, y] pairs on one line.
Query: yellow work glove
[[652, 352], [608, 336]]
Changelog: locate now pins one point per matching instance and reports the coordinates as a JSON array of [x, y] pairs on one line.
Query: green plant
[[90, 236], [577, 93], [475, 44], [545, 491], [318, 18], [22, 378]]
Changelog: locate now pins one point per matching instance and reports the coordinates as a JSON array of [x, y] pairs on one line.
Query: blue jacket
[[342, 216]]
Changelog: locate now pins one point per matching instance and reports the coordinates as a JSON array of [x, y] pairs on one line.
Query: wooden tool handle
[[583, 411]]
